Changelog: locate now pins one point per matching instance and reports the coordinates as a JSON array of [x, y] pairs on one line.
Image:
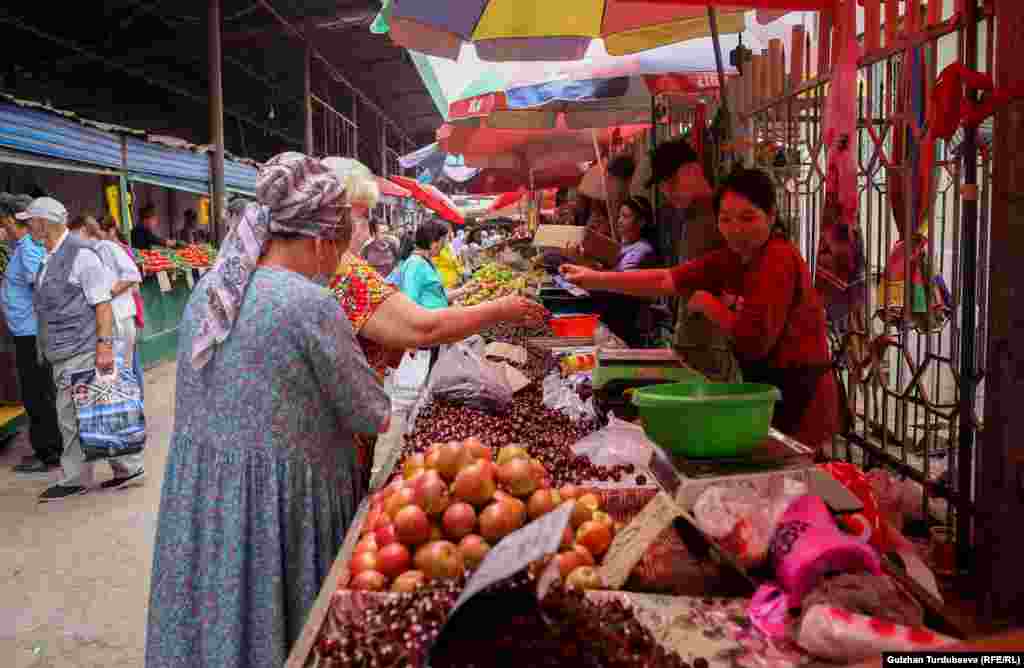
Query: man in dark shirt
[[144, 236], [676, 170]]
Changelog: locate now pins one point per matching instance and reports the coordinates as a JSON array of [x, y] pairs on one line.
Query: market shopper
[[447, 263], [379, 251], [127, 279], [676, 170], [76, 330], [145, 235], [421, 280], [758, 290], [262, 479], [38, 393]]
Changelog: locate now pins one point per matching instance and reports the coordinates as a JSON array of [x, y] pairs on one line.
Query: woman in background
[[127, 280], [629, 317], [388, 321]]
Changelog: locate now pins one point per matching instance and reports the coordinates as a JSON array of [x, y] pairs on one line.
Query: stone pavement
[[74, 576]]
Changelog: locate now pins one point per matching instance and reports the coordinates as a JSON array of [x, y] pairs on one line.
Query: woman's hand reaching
[[521, 310], [579, 276]]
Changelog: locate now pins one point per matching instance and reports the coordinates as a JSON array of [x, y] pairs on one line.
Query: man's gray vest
[[67, 323]]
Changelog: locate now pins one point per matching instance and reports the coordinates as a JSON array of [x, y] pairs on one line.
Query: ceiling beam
[[408, 92], [397, 58], [141, 74], [334, 72], [359, 15]]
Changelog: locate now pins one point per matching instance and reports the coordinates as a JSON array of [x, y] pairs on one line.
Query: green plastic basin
[[707, 420]]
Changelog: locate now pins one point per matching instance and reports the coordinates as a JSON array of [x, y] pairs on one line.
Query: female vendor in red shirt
[[759, 291]]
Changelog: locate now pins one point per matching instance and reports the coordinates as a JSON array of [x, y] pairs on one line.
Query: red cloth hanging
[[951, 108]]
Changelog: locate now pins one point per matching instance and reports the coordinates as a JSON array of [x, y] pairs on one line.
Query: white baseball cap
[[46, 208]]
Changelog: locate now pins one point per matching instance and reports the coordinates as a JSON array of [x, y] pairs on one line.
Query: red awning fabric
[[792, 5], [391, 189], [523, 150], [507, 199], [496, 181], [432, 198]]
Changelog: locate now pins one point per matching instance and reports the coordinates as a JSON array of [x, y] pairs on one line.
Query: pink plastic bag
[[769, 611], [807, 544]]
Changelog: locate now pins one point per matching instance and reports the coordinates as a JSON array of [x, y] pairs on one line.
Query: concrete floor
[[74, 576]]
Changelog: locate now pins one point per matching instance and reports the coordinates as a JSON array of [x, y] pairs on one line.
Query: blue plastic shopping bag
[[111, 421]]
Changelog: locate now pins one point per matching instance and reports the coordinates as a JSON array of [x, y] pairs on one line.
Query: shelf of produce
[[159, 340]]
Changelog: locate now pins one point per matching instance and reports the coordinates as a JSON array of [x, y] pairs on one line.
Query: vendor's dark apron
[[797, 384]]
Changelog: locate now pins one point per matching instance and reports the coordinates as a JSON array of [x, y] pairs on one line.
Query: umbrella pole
[[604, 184], [713, 21]]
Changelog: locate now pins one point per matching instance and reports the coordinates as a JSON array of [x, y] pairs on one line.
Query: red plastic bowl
[[575, 325]]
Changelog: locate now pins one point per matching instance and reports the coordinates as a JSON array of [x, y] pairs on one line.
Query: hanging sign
[[164, 280]]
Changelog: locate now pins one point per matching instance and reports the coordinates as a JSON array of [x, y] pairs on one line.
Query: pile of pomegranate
[[548, 436], [448, 506]]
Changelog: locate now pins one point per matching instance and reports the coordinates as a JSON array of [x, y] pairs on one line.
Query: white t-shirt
[[124, 269], [87, 272]]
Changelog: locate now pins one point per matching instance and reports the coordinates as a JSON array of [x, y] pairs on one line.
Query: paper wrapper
[[715, 629], [839, 635]]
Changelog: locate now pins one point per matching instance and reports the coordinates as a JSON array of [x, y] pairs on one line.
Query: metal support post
[[216, 120], [1000, 457]]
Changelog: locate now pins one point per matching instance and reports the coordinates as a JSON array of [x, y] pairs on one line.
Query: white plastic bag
[[743, 518], [618, 443], [463, 375], [560, 395], [408, 381]]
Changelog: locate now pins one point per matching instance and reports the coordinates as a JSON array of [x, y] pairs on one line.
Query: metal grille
[[333, 132], [900, 375]]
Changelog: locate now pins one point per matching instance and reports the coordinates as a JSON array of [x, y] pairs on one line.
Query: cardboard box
[[558, 237], [601, 248], [596, 246]]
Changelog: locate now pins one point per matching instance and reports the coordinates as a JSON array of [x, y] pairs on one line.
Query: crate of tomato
[[155, 261]]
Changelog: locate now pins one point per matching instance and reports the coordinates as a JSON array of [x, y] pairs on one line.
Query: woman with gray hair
[[388, 322], [262, 478]]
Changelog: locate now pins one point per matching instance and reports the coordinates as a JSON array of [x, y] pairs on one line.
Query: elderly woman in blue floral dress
[[262, 477]]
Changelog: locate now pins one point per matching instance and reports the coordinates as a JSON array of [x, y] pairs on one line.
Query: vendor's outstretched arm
[[645, 283]]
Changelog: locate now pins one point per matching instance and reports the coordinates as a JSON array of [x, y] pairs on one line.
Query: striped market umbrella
[[539, 30], [578, 103]]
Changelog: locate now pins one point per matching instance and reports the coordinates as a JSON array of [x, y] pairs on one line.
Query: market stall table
[[683, 579]]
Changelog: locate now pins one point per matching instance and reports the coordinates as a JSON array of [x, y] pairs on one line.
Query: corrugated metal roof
[[34, 131], [240, 176], [152, 138], [150, 158]]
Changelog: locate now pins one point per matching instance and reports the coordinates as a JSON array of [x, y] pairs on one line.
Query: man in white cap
[[73, 305], [16, 306]]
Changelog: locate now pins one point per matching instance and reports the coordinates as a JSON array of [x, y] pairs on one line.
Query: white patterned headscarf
[[297, 195]]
